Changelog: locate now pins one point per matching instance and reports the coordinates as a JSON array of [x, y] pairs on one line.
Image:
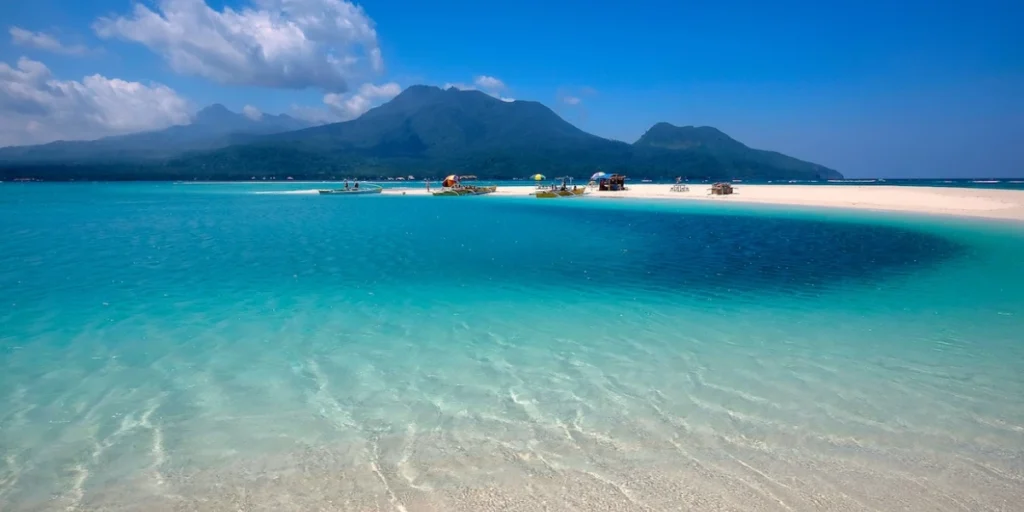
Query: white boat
[[367, 189]]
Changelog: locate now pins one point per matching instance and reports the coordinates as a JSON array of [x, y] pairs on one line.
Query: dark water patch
[[175, 246]]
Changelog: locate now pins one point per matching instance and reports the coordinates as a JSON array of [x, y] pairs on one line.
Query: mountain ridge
[[212, 127], [427, 130]]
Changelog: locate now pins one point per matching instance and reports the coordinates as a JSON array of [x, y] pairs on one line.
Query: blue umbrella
[[599, 175]]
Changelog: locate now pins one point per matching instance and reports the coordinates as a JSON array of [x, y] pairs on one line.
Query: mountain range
[[212, 127], [425, 130]]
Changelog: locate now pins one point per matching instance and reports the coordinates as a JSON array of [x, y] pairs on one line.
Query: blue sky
[[918, 89]]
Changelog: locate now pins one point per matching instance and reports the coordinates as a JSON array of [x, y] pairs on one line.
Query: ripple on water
[[285, 353]]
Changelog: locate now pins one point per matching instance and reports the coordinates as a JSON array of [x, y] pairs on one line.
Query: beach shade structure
[[537, 177], [600, 175], [450, 181]]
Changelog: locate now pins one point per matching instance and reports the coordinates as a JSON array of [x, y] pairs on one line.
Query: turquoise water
[[229, 347]]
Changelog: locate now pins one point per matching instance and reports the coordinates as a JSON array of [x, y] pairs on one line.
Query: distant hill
[[212, 127], [733, 155], [428, 131]]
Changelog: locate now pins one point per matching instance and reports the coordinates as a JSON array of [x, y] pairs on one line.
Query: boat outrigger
[[355, 190], [452, 186], [561, 191], [466, 190]]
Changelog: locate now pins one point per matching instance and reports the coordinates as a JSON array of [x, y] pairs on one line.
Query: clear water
[[218, 347]]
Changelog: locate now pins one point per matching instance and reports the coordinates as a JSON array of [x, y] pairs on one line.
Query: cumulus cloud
[[252, 112], [35, 107], [344, 107], [487, 84], [42, 41], [291, 44], [353, 105]]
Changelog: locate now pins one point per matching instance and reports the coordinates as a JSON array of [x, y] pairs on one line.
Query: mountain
[[431, 131], [731, 153], [211, 128]]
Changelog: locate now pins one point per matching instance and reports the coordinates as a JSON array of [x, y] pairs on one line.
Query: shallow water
[[175, 347]]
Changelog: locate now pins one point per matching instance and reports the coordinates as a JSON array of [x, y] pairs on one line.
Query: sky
[[871, 88]]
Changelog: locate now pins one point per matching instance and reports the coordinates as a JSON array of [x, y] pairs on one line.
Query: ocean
[[241, 347]]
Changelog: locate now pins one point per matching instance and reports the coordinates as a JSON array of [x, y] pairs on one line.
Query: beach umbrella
[[599, 176], [450, 180], [537, 177]]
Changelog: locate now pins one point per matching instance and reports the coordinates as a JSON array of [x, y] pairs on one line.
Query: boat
[[452, 186], [561, 191], [466, 190], [549, 193], [367, 189]]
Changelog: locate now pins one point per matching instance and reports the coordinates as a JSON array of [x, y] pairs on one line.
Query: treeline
[[256, 162]]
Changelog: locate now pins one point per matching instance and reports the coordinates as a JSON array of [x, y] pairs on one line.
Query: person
[[346, 183], [357, 186]]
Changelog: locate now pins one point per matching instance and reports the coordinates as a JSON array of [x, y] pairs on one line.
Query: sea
[[174, 346]]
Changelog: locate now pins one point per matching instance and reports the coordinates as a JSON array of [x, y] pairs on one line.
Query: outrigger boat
[[561, 191], [568, 192], [452, 186], [466, 190], [354, 191]]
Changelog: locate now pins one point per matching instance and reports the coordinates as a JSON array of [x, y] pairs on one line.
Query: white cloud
[[571, 100], [353, 105], [489, 83], [344, 107], [39, 40], [274, 43], [35, 107], [459, 85], [252, 112]]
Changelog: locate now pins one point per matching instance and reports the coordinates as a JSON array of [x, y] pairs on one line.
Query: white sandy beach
[[986, 203]]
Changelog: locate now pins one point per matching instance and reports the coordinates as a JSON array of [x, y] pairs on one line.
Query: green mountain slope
[[734, 156], [428, 131]]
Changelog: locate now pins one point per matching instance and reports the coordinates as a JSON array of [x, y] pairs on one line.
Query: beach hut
[[615, 182]]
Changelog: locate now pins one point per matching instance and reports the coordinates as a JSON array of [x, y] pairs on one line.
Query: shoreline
[[997, 204]]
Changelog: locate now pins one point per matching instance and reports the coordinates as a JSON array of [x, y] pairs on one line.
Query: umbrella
[[537, 177], [450, 180], [599, 175]]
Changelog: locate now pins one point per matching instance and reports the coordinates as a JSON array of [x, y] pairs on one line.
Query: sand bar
[[965, 202]]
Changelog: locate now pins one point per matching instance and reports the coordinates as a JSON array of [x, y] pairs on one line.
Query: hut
[[613, 183], [721, 189]]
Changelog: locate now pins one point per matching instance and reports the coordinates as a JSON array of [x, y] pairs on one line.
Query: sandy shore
[[987, 203]]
